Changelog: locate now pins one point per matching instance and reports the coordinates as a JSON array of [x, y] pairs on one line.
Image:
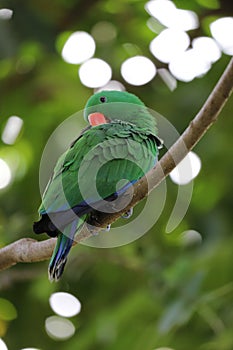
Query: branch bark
[[29, 250]]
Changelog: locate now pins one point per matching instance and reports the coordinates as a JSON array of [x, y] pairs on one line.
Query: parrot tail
[[61, 251]]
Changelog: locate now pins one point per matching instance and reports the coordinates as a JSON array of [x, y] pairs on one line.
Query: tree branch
[[29, 250], [25, 250]]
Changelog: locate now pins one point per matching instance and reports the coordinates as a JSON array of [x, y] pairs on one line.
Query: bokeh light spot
[[188, 65], [59, 328], [5, 175], [65, 304], [7, 310], [222, 30], [138, 70], [190, 237], [168, 44], [160, 9], [12, 129], [5, 14], [79, 47], [166, 13], [104, 32], [168, 78], [30, 349], [154, 25], [207, 48], [95, 73], [112, 85], [187, 169], [3, 345], [183, 20]]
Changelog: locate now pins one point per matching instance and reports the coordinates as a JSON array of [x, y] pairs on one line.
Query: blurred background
[[167, 291]]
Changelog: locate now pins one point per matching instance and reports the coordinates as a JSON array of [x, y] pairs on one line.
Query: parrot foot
[[107, 229], [94, 233], [127, 214]]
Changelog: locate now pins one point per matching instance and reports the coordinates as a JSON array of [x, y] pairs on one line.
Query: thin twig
[[29, 250]]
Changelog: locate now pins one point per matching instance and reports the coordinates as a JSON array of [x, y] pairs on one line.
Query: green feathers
[[121, 106], [122, 144]]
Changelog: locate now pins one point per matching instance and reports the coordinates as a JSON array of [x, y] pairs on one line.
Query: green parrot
[[119, 146]]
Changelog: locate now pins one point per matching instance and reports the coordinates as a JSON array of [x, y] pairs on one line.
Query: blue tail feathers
[[61, 251]]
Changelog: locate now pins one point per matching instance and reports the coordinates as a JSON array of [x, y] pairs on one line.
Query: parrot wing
[[103, 162]]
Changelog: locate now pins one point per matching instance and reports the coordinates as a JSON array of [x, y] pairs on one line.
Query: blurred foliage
[[156, 291]]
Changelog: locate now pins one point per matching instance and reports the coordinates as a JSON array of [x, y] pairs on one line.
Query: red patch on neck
[[96, 119]]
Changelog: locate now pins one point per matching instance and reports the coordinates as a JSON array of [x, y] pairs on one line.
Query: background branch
[[29, 250]]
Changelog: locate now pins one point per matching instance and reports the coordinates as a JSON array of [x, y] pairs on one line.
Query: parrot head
[[109, 106]]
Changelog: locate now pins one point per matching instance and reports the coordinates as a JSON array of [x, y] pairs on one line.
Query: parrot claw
[[94, 233], [127, 214], [107, 229]]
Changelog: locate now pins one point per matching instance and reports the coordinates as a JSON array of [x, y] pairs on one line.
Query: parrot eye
[[103, 99]]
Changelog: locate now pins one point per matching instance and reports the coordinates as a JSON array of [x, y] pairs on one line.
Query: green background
[[156, 291]]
